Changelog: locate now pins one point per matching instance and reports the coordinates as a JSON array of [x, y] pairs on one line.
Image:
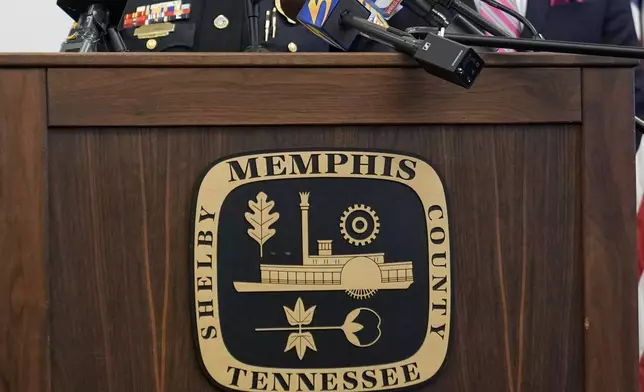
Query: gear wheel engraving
[[359, 225], [361, 293]]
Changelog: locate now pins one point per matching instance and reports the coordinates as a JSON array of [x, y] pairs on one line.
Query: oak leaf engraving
[[261, 219]]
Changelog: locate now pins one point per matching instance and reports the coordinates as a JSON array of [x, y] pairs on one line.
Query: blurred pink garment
[[502, 20]]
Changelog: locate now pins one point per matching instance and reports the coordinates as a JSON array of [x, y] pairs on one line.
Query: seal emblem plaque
[[321, 270]]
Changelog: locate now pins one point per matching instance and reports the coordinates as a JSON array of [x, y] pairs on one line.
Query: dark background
[[402, 237]]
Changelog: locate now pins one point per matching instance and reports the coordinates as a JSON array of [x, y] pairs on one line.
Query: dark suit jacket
[[593, 21]]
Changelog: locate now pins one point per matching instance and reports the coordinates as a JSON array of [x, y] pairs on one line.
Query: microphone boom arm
[[550, 46], [378, 33], [448, 60]]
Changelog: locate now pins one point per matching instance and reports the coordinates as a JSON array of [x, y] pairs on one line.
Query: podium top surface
[[282, 60]]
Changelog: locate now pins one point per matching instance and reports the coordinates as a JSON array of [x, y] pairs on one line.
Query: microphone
[[383, 9], [461, 25], [426, 12], [94, 19], [116, 40], [461, 8], [323, 18], [340, 21], [93, 27], [252, 12], [75, 8], [458, 26]]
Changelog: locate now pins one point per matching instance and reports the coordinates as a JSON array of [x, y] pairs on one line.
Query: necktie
[[501, 19]]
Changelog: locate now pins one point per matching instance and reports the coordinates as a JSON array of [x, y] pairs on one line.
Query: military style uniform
[[219, 26], [279, 34], [208, 26], [214, 26]]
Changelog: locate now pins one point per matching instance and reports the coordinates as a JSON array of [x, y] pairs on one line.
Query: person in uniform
[[217, 26], [183, 26]]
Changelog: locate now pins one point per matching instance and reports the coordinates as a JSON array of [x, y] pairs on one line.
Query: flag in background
[[639, 173], [638, 19]]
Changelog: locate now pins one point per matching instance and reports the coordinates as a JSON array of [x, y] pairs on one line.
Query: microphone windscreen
[[292, 7]]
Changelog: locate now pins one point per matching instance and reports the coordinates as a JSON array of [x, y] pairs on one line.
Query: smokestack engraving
[[359, 275], [304, 208]]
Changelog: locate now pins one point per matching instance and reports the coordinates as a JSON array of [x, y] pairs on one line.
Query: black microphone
[[459, 26], [75, 8], [252, 12], [92, 27], [426, 12], [463, 9], [340, 22], [325, 19], [116, 41], [94, 19]]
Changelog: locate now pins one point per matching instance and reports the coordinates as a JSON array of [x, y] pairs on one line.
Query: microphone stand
[[632, 52], [538, 45], [252, 11], [116, 41], [459, 25]]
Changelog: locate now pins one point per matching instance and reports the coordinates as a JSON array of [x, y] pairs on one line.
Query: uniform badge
[[321, 270], [156, 30], [165, 12]]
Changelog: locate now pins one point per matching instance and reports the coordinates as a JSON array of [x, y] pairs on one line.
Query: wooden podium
[[100, 154]]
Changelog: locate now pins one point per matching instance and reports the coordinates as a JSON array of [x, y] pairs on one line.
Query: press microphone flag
[[340, 21], [317, 13], [375, 15], [386, 8]]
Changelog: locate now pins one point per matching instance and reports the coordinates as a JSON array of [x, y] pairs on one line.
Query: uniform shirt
[[278, 34], [213, 26], [222, 26]]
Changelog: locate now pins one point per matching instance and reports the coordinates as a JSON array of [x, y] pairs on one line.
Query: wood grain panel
[[24, 354], [243, 96], [609, 227], [269, 60], [119, 250]]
